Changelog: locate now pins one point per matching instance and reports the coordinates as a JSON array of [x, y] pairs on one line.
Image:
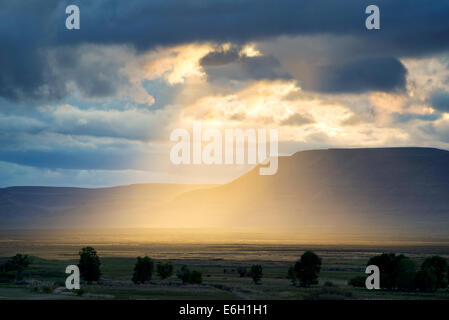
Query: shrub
[[188, 276], [89, 264], [406, 274], [256, 273], [164, 270], [426, 280], [143, 270]]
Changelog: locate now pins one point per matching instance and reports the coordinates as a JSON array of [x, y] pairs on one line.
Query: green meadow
[[45, 277]]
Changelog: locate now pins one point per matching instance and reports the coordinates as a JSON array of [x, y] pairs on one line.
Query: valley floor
[[218, 264]]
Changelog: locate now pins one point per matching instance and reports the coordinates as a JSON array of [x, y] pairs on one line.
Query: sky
[[95, 106]]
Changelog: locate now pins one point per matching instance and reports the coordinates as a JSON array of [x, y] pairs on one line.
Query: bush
[[308, 268], [406, 275], [89, 264], [164, 270], [143, 270], [426, 280], [358, 282], [192, 277], [256, 273]]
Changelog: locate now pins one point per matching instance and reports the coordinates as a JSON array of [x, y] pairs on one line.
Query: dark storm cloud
[[248, 68], [440, 100], [381, 74], [263, 67], [28, 28], [96, 76], [223, 66], [221, 57]]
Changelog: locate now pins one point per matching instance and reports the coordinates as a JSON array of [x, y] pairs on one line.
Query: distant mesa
[[379, 192]]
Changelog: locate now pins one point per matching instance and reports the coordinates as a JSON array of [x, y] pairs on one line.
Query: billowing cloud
[[374, 74], [101, 101], [440, 100], [27, 71]]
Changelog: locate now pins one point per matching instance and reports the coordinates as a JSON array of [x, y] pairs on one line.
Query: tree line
[[397, 272], [89, 266]]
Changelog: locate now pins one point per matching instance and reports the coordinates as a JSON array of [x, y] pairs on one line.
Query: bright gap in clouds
[[122, 139]]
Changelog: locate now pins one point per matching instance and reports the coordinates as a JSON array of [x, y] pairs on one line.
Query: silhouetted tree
[[188, 276], [89, 264], [426, 280], [164, 270], [388, 264], [18, 263], [406, 273], [308, 268], [256, 273], [143, 270], [437, 265]]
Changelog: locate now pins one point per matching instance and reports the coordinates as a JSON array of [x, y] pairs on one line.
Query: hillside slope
[[376, 192]]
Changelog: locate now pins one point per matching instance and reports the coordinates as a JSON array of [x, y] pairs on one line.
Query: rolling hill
[[379, 192]]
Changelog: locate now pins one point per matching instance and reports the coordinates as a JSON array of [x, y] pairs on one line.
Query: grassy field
[[218, 262], [217, 283]]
